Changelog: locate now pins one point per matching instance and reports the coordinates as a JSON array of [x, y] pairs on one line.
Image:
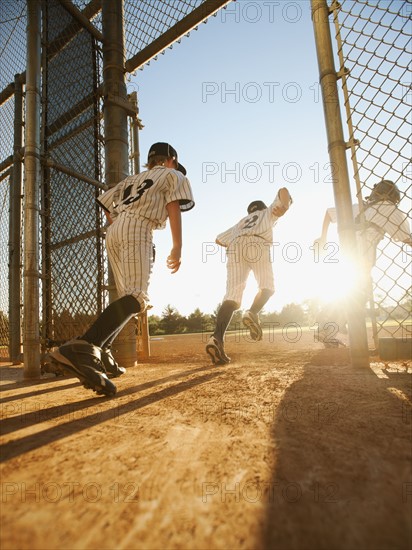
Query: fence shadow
[[84, 419]]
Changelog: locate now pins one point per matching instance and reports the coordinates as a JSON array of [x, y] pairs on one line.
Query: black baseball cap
[[256, 205], [165, 150]]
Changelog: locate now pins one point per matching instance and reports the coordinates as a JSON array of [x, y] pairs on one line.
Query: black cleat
[[330, 342], [251, 322], [113, 369], [84, 361], [216, 351]]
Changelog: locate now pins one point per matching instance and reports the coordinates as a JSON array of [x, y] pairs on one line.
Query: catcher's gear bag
[[385, 190], [256, 205]]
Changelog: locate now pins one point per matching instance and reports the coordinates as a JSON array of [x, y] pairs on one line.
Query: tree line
[[172, 322]]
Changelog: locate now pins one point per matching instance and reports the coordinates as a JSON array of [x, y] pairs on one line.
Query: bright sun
[[334, 282]]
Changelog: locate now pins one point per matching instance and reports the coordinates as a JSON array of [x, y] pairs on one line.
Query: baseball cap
[[256, 205], [165, 150]]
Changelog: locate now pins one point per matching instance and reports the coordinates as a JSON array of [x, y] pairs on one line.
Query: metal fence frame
[[29, 277], [116, 40]]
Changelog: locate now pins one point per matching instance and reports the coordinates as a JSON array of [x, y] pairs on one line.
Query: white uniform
[[138, 206], [380, 218], [248, 246]]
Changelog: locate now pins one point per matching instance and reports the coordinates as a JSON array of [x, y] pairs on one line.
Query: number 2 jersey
[[146, 195], [258, 224]]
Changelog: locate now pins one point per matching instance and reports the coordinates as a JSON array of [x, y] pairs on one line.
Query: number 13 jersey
[[146, 195]]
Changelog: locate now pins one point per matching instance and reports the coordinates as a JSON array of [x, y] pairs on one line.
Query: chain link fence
[[373, 46], [12, 62], [374, 49], [73, 276]]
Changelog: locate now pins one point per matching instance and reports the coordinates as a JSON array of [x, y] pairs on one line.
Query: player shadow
[[82, 422], [341, 476], [22, 418], [72, 382]]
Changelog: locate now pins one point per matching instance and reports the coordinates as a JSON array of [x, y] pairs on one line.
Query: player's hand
[[174, 260], [320, 242]]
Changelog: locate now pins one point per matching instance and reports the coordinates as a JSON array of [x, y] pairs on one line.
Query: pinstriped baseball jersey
[[258, 224], [381, 218], [146, 195], [248, 249], [138, 206]]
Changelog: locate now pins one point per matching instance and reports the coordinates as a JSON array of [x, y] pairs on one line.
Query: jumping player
[[248, 249], [134, 208], [381, 217]]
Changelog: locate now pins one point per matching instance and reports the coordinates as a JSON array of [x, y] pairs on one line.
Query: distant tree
[[198, 322], [293, 313], [236, 321], [171, 322], [154, 322], [269, 317], [312, 308]]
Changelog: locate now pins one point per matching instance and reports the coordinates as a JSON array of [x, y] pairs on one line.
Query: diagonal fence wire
[[374, 50]]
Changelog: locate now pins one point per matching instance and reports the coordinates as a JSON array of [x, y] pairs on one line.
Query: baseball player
[[248, 246], [135, 207], [381, 217]]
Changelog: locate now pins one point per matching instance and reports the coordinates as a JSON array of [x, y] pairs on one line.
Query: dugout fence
[[63, 90], [373, 44]]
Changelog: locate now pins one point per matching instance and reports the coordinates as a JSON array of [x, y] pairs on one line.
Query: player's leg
[[111, 321], [250, 318], [263, 273], [237, 274], [331, 320], [83, 360], [134, 262], [215, 347]]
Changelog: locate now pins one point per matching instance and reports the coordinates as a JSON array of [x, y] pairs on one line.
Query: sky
[[239, 99]]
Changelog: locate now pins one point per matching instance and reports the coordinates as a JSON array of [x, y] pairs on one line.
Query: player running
[[248, 245], [135, 207], [381, 217]]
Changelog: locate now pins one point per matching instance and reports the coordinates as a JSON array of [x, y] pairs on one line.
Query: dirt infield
[[287, 447]]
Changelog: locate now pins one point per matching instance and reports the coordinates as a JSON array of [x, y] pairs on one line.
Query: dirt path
[[287, 447]]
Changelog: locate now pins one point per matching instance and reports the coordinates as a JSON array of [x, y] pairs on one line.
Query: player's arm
[[108, 217], [327, 220], [175, 220]]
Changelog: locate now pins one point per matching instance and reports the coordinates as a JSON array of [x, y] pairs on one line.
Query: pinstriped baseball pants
[[245, 255], [129, 243]]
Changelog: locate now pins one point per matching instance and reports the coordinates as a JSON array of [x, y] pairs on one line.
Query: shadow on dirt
[[342, 474], [81, 420]]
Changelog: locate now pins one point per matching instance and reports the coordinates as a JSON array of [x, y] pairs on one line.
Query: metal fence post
[[116, 136], [143, 337], [31, 331], [15, 227], [341, 187]]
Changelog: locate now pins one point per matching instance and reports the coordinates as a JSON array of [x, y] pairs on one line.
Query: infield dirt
[[288, 447]]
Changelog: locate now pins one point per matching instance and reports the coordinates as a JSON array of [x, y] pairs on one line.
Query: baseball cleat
[[113, 369], [330, 342], [251, 322], [84, 361], [216, 351]]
